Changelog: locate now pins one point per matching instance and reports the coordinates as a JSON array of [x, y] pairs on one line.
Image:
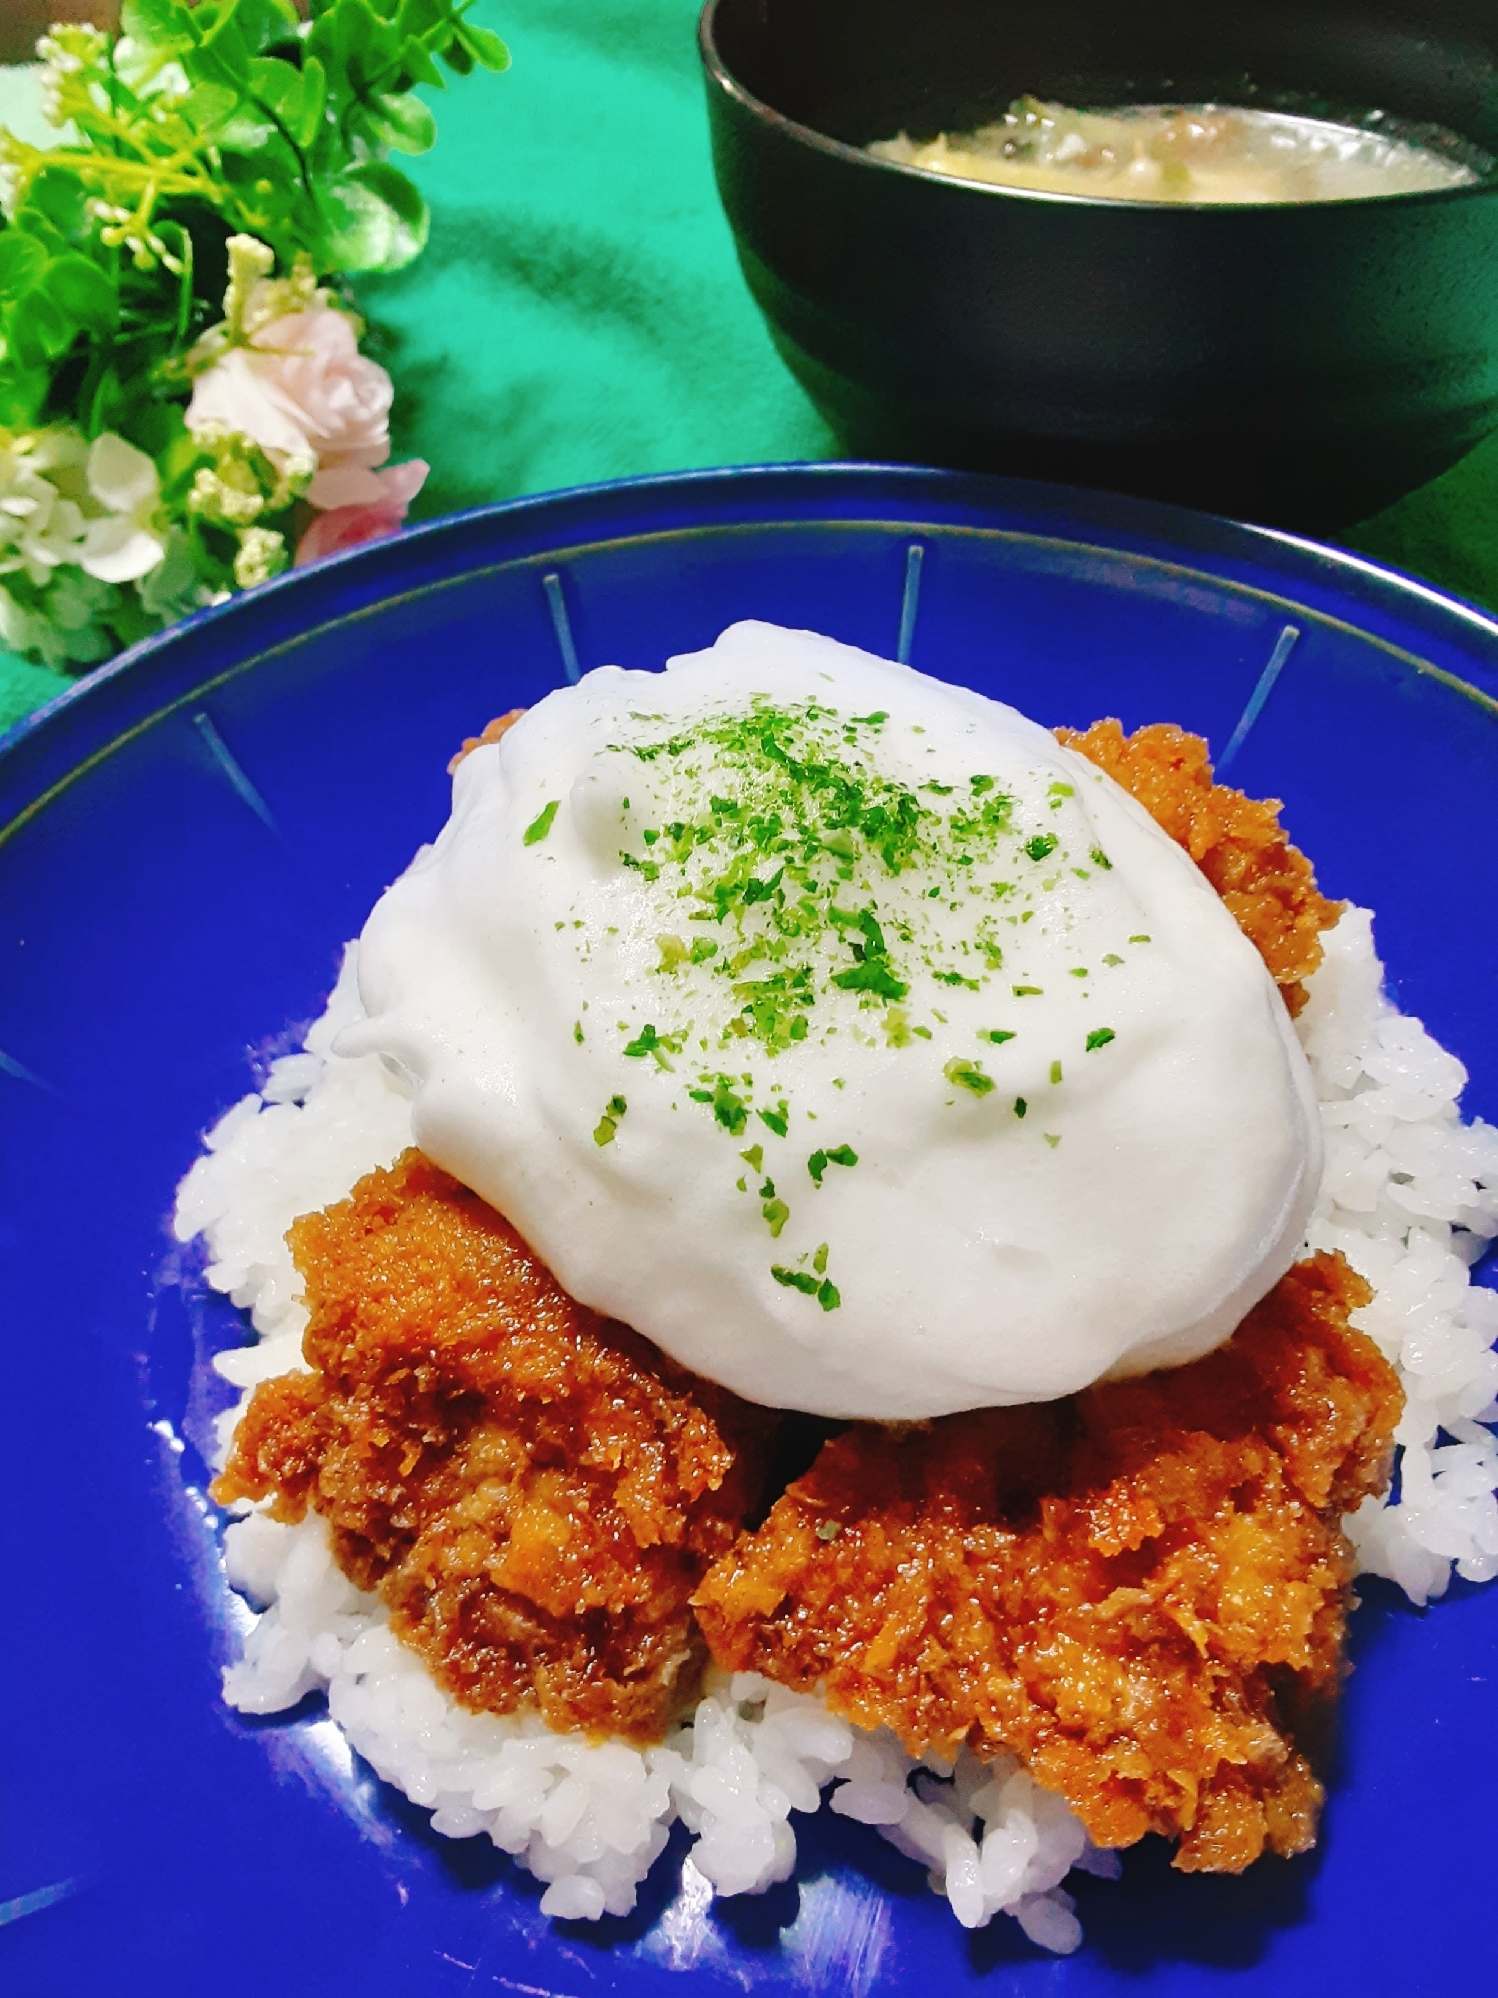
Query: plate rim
[[132, 676], [48, 749]]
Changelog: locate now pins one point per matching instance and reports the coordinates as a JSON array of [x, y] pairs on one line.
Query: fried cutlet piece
[[1141, 1590], [533, 1490], [1267, 885], [491, 732]]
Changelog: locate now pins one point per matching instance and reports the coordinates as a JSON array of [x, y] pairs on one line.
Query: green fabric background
[[579, 312]]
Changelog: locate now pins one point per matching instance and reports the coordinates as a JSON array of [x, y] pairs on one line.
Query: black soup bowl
[[1303, 364]]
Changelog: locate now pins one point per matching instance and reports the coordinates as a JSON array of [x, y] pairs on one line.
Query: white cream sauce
[[838, 1030]]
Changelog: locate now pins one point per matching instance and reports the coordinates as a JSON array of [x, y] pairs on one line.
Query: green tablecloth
[[579, 313]]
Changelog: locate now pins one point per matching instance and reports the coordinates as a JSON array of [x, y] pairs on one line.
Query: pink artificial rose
[[343, 527], [301, 390]]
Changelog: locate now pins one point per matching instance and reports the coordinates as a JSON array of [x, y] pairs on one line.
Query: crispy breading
[[491, 732], [1267, 885], [534, 1490], [1141, 1590]]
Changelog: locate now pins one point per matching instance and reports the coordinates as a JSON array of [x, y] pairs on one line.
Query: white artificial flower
[[126, 543], [41, 521], [262, 554]]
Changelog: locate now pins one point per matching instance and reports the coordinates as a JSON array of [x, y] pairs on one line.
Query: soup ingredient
[[836, 1028], [533, 1492], [1141, 1592], [1195, 153]]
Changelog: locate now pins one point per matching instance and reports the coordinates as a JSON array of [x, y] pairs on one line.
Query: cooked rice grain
[[1410, 1197]]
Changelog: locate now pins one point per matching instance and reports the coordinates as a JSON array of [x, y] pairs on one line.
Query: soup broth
[[1193, 153]]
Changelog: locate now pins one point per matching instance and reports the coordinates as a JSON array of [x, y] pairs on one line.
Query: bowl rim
[[718, 73]]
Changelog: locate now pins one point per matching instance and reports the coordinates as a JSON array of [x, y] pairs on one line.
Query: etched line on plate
[[36, 1900], [1284, 645], [224, 757], [561, 624], [910, 601], [21, 1073], [962, 536]]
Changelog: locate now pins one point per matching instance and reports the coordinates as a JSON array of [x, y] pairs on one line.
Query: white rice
[[1410, 1197]]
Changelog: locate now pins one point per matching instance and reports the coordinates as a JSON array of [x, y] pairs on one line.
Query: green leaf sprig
[[198, 125], [231, 117]]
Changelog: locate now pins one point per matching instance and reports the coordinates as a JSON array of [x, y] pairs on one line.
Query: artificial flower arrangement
[[184, 410]]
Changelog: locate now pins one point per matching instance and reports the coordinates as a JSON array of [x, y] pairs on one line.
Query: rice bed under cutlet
[[1409, 1198]]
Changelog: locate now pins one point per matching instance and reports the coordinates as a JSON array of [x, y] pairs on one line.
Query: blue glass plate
[[190, 836]]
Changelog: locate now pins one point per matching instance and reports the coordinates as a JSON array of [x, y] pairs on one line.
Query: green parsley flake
[[826, 1292], [1099, 1038], [1100, 859], [785, 827], [1140, 939], [775, 1211], [540, 825], [728, 1106], [1055, 1071], [608, 1123], [649, 1042], [871, 976], [676, 952], [964, 1074], [797, 808], [794, 1279], [819, 1260], [1052, 1138], [1112, 958], [577, 1032], [829, 1529]]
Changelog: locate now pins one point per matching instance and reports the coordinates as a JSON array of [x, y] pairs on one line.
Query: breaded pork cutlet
[[1140, 1590], [1267, 885], [533, 1490]]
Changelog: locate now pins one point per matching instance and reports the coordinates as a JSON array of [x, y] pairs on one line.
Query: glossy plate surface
[[189, 839]]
